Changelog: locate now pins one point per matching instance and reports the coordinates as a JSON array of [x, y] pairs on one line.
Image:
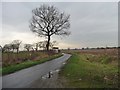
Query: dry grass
[[111, 52], [105, 56], [96, 68], [10, 58]]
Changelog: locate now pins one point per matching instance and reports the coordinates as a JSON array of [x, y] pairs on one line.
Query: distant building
[[55, 49]]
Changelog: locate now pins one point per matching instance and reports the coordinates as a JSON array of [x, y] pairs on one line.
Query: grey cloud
[[90, 22]]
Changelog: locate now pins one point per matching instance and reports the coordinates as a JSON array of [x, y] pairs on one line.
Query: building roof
[[55, 48]]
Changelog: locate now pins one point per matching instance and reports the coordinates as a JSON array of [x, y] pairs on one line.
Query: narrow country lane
[[30, 77]]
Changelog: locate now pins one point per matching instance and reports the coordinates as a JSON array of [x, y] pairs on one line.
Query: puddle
[[57, 70], [64, 63], [50, 74]]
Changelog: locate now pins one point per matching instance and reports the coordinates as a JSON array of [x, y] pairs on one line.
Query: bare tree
[[38, 45], [7, 47], [43, 44], [28, 46], [48, 21], [16, 45], [52, 44]]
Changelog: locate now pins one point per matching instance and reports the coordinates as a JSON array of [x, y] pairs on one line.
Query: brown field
[[111, 52], [110, 55], [10, 58]]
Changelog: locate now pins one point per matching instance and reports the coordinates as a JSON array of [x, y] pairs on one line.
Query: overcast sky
[[92, 24]]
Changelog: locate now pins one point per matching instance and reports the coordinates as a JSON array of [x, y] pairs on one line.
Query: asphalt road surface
[[30, 77]]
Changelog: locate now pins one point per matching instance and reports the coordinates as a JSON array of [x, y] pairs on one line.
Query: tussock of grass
[[26, 64], [82, 73]]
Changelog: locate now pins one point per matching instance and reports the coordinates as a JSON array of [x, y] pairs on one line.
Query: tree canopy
[[48, 20]]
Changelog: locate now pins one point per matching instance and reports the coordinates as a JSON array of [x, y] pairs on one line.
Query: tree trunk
[[48, 43], [36, 48], [33, 49], [17, 50], [13, 49], [28, 50]]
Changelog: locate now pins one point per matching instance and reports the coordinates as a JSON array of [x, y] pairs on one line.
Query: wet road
[[25, 77]]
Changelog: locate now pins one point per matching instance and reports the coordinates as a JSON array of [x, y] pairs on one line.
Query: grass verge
[[26, 64], [80, 73]]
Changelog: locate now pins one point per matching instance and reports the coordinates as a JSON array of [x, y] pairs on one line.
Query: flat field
[[97, 68]]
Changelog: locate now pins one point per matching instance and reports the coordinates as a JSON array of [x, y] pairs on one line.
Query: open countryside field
[[97, 68], [59, 45]]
